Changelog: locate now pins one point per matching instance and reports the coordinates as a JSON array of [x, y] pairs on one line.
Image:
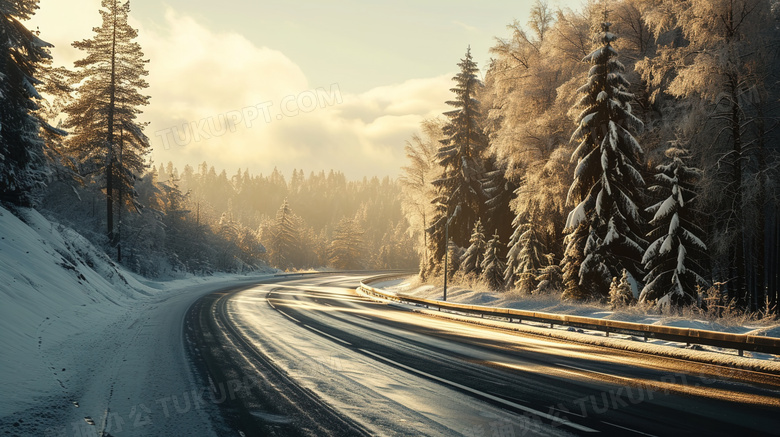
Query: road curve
[[309, 356]]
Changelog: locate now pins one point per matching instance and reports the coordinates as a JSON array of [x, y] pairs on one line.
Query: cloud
[[196, 73], [465, 26], [200, 79], [413, 96]]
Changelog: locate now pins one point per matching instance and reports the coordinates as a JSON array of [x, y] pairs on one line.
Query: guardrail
[[740, 342]]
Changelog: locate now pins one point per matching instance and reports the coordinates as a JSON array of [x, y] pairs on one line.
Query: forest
[[73, 147], [624, 152]]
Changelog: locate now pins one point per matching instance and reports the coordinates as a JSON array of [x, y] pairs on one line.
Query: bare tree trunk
[[110, 140], [738, 280]]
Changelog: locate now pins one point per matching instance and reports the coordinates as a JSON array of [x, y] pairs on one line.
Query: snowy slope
[[75, 329]]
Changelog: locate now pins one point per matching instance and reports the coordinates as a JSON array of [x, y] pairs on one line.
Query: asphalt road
[[309, 356]]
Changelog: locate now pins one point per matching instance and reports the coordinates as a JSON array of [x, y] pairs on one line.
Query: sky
[[313, 85]]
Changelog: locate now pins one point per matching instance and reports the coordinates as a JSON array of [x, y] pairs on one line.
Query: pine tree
[[22, 162], [620, 294], [284, 244], [492, 266], [57, 90], [571, 264], [456, 255], [675, 259], [530, 259], [499, 192], [725, 73], [513, 255], [471, 261], [607, 183], [346, 250], [459, 196], [106, 136], [550, 278]]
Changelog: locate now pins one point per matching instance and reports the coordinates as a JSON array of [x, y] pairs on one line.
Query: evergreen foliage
[[22, 160], [620, 294], [608, 184], [459, 197], [284, 246], [675, 258], [347, 251], [492, 265], [471, 261], [530, 260], [106, 138]]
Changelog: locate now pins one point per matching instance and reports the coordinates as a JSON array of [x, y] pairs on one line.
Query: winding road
[[308, 355]]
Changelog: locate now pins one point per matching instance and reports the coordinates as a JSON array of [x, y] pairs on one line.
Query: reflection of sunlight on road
[[284, 323], [286, 312]]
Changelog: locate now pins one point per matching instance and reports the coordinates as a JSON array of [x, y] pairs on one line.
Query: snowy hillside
[[65, 311]]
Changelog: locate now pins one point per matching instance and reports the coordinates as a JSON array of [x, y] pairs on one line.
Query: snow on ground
[[83, 340], [476, 294]]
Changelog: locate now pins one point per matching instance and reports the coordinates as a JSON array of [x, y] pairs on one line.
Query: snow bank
[[57, 291], [53, 283]]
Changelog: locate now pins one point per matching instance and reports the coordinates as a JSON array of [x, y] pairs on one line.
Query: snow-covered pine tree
[[284, 245], [550, 278], [620, 294], [103, 116], [57, 90], [607, 182], [675, 259], [492, 266], [459, 196], [455, 255], [471, 261], [22, 163], [530, 259], [725, 73], [571, 264], [513, 255]]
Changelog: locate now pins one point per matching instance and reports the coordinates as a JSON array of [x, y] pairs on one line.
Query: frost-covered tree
[[530, 258], [107, 139], [492, 265], [541, 19], [571, 264], [417, 190], [471, 260], [346, 250], [605, 225], [513, 255], [527, 97], [459, 196], [676, 257], [550, 278], [721, 59], [620, 293], [284, 245], [22, 162]]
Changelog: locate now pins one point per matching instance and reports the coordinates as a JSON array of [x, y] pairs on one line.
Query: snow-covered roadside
[[550, 304], [81, 337]]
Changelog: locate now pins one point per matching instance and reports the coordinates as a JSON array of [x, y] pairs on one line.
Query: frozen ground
[[86, 346], [478, 295]]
